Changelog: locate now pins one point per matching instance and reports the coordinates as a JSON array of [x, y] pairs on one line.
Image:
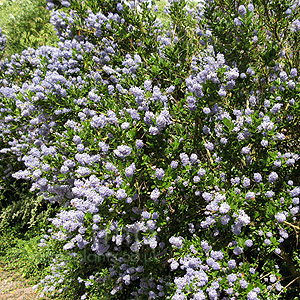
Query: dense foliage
[[172, 151]]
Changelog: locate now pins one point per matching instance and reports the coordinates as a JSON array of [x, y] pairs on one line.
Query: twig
[[208, 153], [294, 226], [289, 284]]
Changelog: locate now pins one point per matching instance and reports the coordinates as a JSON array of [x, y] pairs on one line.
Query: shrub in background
[[26, 24], [170, 151], [20, 208]]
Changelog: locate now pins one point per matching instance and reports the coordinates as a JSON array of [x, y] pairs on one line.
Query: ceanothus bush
[[172, 151]]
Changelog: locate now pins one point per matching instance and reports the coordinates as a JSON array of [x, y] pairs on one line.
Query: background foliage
[[26, 24]]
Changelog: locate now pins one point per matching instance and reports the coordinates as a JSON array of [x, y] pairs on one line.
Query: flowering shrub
[[170, 151]]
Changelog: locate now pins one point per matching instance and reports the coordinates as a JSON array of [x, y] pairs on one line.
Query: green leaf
[[226, 122]]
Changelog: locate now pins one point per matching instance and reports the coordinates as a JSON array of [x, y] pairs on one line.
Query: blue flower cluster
[[2, 41]]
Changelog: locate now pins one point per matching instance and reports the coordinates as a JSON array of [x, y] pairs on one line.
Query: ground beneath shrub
[[14, 287]]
